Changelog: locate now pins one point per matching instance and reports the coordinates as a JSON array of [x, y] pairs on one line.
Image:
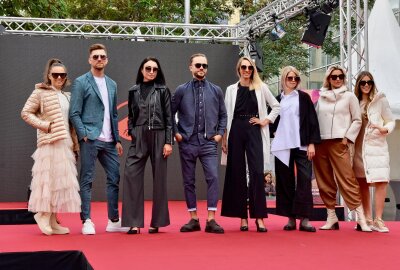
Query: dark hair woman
[[150, 127]]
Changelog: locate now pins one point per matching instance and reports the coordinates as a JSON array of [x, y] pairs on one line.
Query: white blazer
[[264, 98]]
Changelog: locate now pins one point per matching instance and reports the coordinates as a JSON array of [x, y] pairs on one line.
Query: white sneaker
[[116, 227], [88, 227]]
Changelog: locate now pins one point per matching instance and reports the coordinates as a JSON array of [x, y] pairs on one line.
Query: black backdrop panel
[[22, 61]]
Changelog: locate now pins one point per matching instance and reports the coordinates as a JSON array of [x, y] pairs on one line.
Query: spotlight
[[255, 50], [278, 31], [316, 30], [256, 54], [329, 6]]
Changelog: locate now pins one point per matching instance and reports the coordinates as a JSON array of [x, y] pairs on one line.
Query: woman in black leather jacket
[[150, 128]]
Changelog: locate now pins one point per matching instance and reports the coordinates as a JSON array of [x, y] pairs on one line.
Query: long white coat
[[375, 151], [264, 97]]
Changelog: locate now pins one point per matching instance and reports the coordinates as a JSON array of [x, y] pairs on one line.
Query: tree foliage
[[37, 8], [168, 11]]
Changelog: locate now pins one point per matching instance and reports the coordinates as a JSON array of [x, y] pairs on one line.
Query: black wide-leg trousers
[[244, 141], [294, 198]]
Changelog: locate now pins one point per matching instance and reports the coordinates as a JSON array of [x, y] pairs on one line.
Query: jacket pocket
[[88, 119]]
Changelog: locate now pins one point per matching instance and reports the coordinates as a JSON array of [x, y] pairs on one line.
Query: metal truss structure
[[262, 21], [353, 29], [354, 37], [120, 30]]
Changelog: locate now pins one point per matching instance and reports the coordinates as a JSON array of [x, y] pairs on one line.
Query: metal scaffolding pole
[[354, 38]]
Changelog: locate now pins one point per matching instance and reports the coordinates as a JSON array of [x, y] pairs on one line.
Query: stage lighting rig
[[255, 50], [329, 6], [278, 31], [318, 22]]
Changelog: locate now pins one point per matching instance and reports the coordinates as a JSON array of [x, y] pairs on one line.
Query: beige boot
[[56, 227], [43, 221], [332, 222], [361, 219]]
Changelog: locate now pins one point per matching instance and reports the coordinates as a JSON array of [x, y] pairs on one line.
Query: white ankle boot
[[361, 219], [332, 222], [43, 221], [57, 228]]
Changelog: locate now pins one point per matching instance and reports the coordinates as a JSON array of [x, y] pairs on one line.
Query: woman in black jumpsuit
[[247, 140]]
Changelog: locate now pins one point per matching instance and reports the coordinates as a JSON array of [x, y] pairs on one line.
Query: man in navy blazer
[[201, 124], [93, 113]]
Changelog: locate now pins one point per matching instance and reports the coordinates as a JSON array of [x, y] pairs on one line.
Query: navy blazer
[[87, 110], [309, 126], [183, 103]]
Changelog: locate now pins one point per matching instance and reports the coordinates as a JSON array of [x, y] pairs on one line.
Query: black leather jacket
[[158, 110]]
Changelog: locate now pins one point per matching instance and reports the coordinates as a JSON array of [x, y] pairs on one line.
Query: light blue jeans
[[107, 154]]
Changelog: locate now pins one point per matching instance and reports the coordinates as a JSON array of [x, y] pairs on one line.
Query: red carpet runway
[[171, 249]]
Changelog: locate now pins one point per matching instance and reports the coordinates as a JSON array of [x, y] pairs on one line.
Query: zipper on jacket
[[204, 115], [154, 110], [151, 115], [333, 115]]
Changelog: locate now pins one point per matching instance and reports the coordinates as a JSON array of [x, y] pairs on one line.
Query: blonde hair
[[285, 71], [326, 83], [255, 80]]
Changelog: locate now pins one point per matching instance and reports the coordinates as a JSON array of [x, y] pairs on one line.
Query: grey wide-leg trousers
[[145, 143]]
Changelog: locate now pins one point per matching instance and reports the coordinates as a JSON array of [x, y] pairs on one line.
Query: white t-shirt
[[106, 134]]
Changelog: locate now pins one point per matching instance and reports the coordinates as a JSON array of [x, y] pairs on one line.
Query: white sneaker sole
[[122, 229], [88, 233]]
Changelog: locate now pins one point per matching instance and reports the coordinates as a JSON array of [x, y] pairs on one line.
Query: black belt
[[245, 116]]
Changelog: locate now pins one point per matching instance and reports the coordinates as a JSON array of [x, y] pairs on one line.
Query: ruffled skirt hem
[[54, 185]]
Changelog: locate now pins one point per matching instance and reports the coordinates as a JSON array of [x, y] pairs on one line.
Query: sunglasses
[[61, 75], [150, 69], [244, 67], [293, 79], [198, 65], [335, 77], [370, 82], [97, 56]]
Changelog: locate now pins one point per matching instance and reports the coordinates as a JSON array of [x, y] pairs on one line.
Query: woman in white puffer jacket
[[371, 159]]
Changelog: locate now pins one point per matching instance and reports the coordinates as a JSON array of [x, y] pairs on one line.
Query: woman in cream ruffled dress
[[54, 185]]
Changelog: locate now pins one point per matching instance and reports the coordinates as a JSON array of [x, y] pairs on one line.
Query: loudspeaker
[[317, 28], [45, 260]]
